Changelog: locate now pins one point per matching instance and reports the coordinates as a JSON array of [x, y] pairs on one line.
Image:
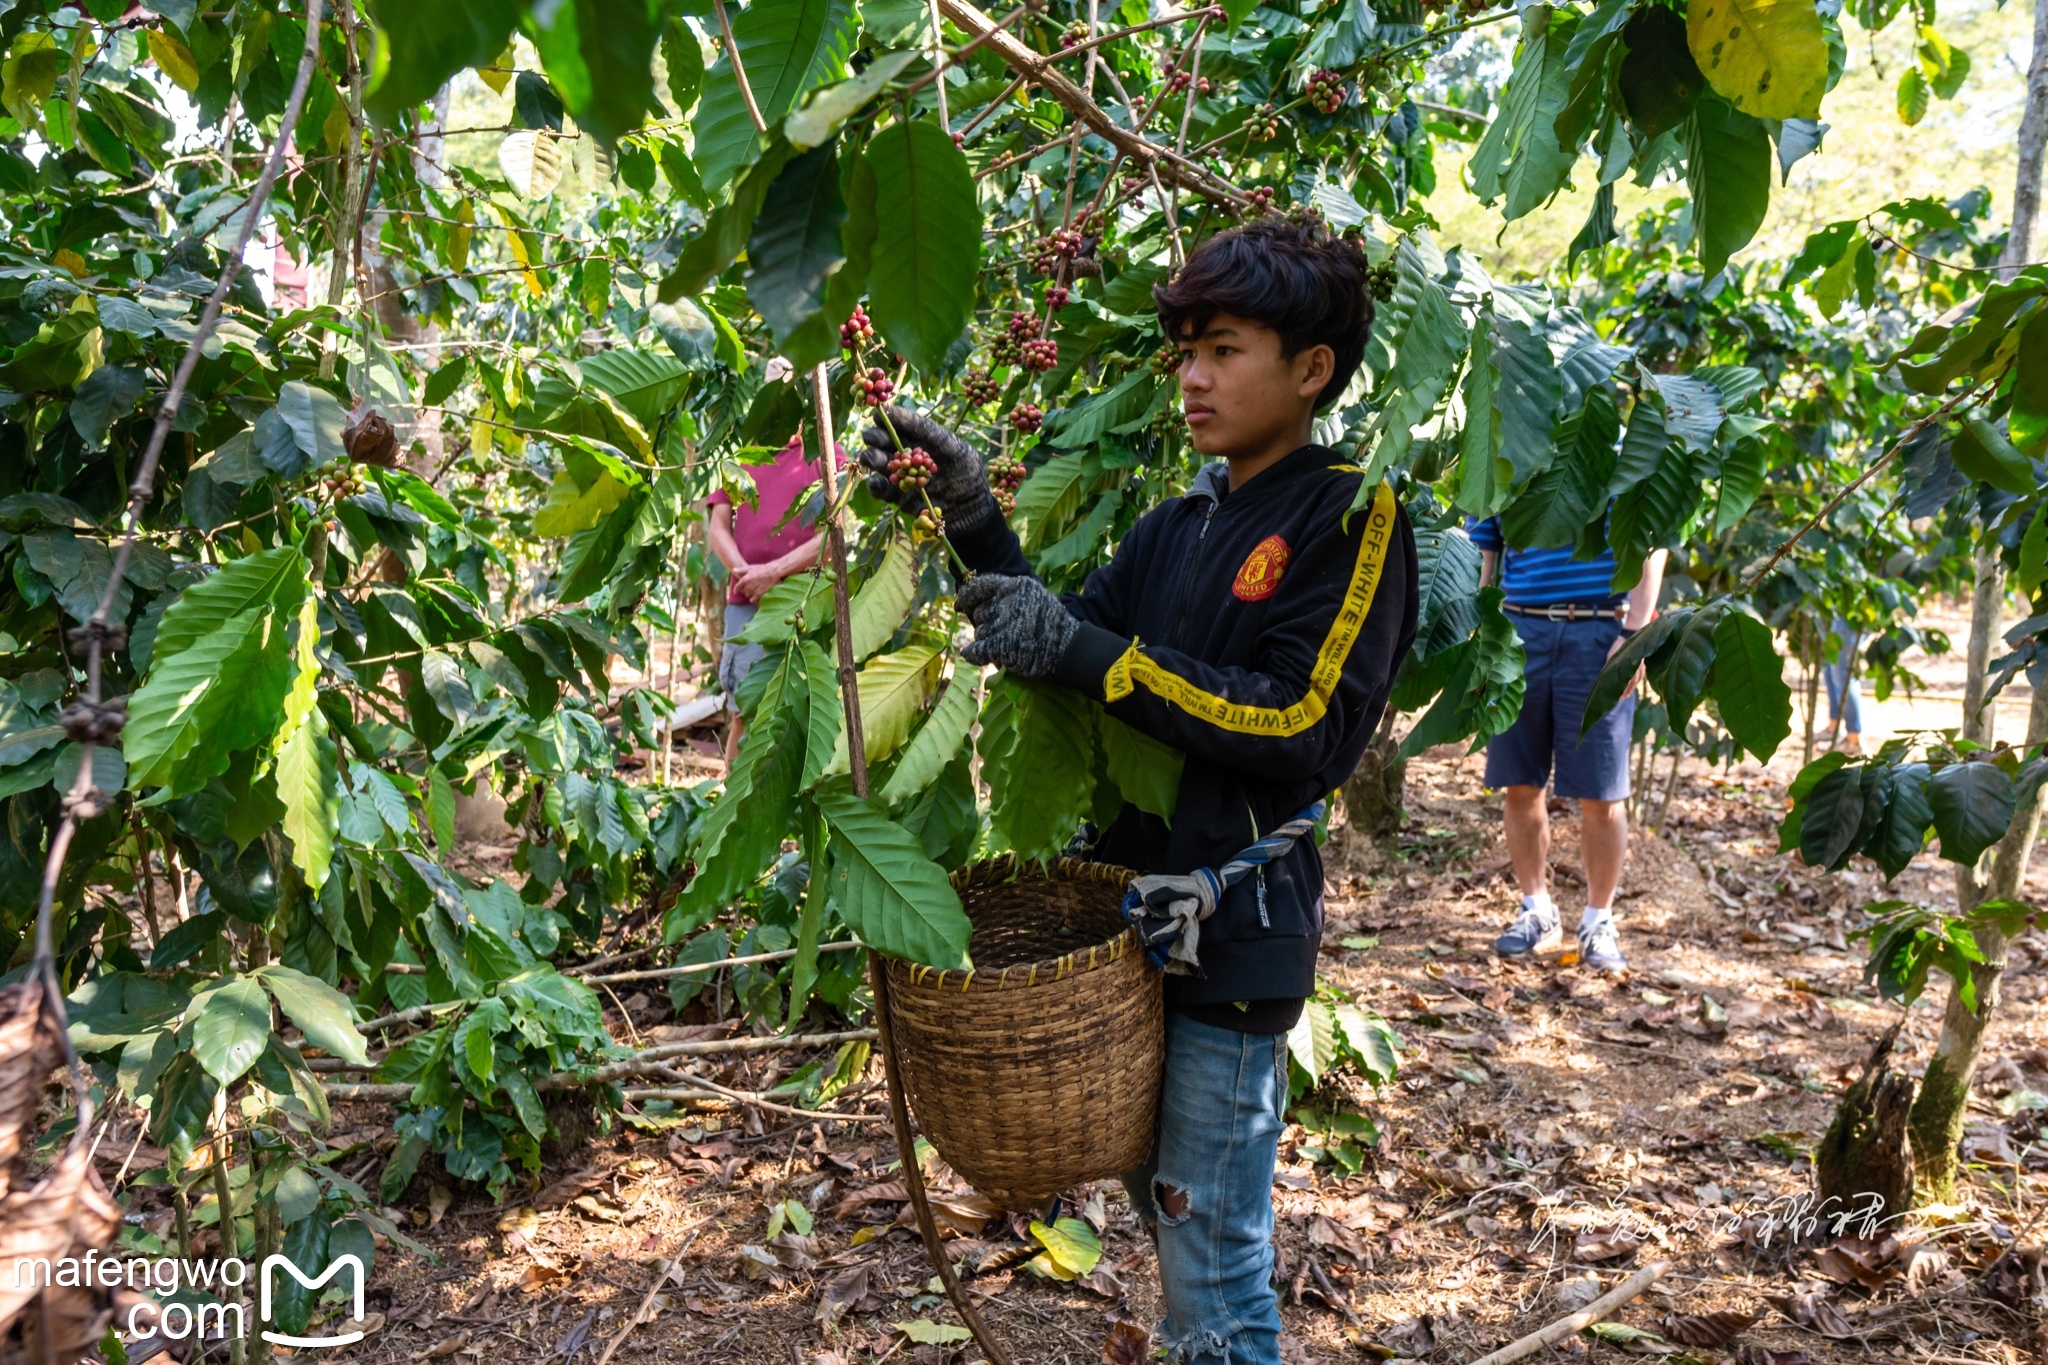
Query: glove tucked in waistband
[[1169, 910]]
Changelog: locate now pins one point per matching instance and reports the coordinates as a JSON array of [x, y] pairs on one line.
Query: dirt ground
[[1551, 1133]]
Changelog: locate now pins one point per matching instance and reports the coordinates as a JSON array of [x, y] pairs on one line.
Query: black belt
[[1570, 611]]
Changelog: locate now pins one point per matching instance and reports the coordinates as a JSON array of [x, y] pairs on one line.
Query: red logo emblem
[[1259, 576]]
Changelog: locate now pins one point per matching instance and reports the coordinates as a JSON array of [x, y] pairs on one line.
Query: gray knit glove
[[960, 487], [1018, 624]]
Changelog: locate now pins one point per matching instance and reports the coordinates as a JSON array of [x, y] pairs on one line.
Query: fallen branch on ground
[[660, 1052], [695, 968], [668, 1268], [1579, 1321], [640, 1063], [680, 1093]]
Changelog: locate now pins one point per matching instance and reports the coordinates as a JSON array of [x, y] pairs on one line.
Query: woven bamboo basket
[[1039, 1069]]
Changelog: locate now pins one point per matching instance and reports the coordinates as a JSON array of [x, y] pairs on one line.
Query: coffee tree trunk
[[1373, 792], [1865, 1157], [1936, 1124], [2026, 191]]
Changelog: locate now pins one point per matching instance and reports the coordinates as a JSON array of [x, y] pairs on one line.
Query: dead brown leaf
[[1411, 1337], [795, 1251], [567, 1188], [1325, 1231], [1104, 1281], [1605, 1244], [447, 1346], [1708, 1329], [888, 1192], [1757, 1355], [840, 1294], [1813, 1312], [1126, 1344], [1853, 1260]]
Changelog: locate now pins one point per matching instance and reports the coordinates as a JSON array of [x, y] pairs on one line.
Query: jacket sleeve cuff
[[990, 546], [1097, 663]]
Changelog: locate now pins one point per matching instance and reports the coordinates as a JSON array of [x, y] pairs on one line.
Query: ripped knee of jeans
[[1201, 1346], [1171, 1201]]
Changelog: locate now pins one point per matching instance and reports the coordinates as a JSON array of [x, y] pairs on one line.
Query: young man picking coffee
[[1255, 624]]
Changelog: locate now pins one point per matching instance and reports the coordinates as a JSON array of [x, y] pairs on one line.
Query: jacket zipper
[[1187, 581], [1265, 920]]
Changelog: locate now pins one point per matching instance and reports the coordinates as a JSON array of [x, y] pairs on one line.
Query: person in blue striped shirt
[[1571, 622]]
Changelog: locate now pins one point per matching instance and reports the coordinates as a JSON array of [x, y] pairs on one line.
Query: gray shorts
[[734, 662]]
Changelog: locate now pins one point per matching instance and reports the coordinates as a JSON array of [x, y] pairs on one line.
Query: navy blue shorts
[[1564, 657]]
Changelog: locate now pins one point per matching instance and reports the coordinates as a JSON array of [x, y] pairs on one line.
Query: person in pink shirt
[[760, 546]]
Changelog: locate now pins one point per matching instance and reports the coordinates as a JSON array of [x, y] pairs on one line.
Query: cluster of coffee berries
[[345, 483], [1005, 476], [1026, 417], [1041, 355], [1181, 80], [876, 388], [1379, 282], [1057, 297], [912, 469], [1061, 244], [1263, 125], [979, 387], [1073, 35], [1326, 91], [1262, 200], [1023, 325], [1166, 360], [931, 521], [1005, 349], [855, 330]]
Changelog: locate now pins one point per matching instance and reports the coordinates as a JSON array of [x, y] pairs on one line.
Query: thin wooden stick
[[660, 1053], [694, 968], [1579, 1321], [668, 1268], [857, 765], [739, 70], [939, 62], [1024, 61]]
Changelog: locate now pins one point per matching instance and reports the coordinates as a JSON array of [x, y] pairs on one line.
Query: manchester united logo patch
[[1259, 576]]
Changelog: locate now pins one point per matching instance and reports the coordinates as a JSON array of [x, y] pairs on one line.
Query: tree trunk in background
[[1987, 598], [1373, 792], [401, 329], [1936, 1124], [2026, 191]]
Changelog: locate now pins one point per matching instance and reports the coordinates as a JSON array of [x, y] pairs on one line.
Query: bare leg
[[1528, 829], [1603, 840], [732, 740]]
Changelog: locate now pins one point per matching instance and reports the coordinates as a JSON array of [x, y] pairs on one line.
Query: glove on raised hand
[[959, 488], [1018, 624]]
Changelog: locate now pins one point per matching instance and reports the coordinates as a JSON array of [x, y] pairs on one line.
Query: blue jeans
[[1845, 692], [1209, 1190]]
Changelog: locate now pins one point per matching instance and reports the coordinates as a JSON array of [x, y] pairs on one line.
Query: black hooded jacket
[[1257, 631]]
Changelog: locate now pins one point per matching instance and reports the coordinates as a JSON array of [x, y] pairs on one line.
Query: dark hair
[[1290, 274]]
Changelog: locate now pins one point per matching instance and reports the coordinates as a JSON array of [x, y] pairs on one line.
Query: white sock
[[1540, 903], [1592, 918]]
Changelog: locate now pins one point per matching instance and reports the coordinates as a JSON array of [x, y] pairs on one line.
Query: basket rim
[[1018, 976]]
